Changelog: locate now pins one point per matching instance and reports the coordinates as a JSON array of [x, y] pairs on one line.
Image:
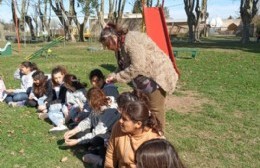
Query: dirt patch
[[185, 102]]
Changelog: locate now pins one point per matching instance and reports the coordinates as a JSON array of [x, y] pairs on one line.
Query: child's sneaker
[[59, 128], [95, 160], [13, 104], [16, 104]]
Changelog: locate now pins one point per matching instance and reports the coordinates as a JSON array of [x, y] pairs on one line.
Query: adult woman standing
[[143, 63]]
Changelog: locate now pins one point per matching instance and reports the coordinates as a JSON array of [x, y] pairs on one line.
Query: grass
[[223, 134]]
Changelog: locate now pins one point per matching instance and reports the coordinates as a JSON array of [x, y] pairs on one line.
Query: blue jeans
[[55, 114], [15, 97]]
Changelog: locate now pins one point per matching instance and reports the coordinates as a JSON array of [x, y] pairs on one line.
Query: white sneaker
[[96, 160], [59, 128], [12, 104], [16, 104]]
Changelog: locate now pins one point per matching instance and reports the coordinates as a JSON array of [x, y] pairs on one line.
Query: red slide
[[157, 30]]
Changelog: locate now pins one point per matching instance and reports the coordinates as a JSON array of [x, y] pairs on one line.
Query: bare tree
[[24, 18], [191, 19], [99, 7], [248, 9], [111, 10], [137, 7], [204, 17], [61, 13], [45, 15], [194, 19], [87, 6]]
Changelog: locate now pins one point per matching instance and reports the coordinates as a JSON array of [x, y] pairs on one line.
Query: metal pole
[[24, 35], [64, 33]]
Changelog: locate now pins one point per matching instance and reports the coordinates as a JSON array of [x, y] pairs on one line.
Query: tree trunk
[[111, 10], [28, 20], [248, 9], [197, 22], [61, 14], [189, 7], [81, 32]]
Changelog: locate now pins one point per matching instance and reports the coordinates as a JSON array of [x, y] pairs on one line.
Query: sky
[[216, 8]]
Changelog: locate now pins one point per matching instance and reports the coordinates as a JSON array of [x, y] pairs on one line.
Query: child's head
[[136, 115], [39, 83], [157, 153], [39, 78], [97, 78], [97, 98], [26, 67], [126, 97], [57, 75], [72, 83]]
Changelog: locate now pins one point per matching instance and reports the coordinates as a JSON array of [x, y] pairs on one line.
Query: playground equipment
[[157, 30], [7, 50], [45, 50], [193, 52]]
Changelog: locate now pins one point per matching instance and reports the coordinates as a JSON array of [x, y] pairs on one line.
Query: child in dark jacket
[[41, 92], [100, 121]]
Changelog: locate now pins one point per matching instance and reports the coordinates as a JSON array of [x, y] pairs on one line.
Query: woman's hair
[[157, 153], [112, 30], [56, 70], [135, 95], [28, 64], [96, 72], [39, 90], [139, 111], [97, 98], [72, 83]]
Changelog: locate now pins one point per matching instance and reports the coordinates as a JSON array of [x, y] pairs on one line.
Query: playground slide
[[157, 30]]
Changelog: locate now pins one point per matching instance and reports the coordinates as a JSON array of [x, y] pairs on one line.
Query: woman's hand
[[31, 97], [70, 133], [42, 107], [71, 142], [110, 79]]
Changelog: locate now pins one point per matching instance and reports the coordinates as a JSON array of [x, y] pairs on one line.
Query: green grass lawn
[[224, 133]]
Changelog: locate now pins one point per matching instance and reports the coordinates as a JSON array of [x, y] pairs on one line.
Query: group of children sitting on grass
[[118, 129]]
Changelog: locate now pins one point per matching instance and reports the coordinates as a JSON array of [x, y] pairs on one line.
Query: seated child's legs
[[20, 97], [9, 98], [31, 103], [55, 114]]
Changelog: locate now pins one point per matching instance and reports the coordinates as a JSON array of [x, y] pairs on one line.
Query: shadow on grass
[[229, 42], [109, 67], [79, 151]]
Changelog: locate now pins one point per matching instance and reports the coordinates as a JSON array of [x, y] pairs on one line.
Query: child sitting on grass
[[97, 79], [100, 121], [17, 97], [55, 113], [41, 92], [75, 98]]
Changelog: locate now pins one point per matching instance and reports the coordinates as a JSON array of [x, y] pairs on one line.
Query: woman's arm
[[136, 53]]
